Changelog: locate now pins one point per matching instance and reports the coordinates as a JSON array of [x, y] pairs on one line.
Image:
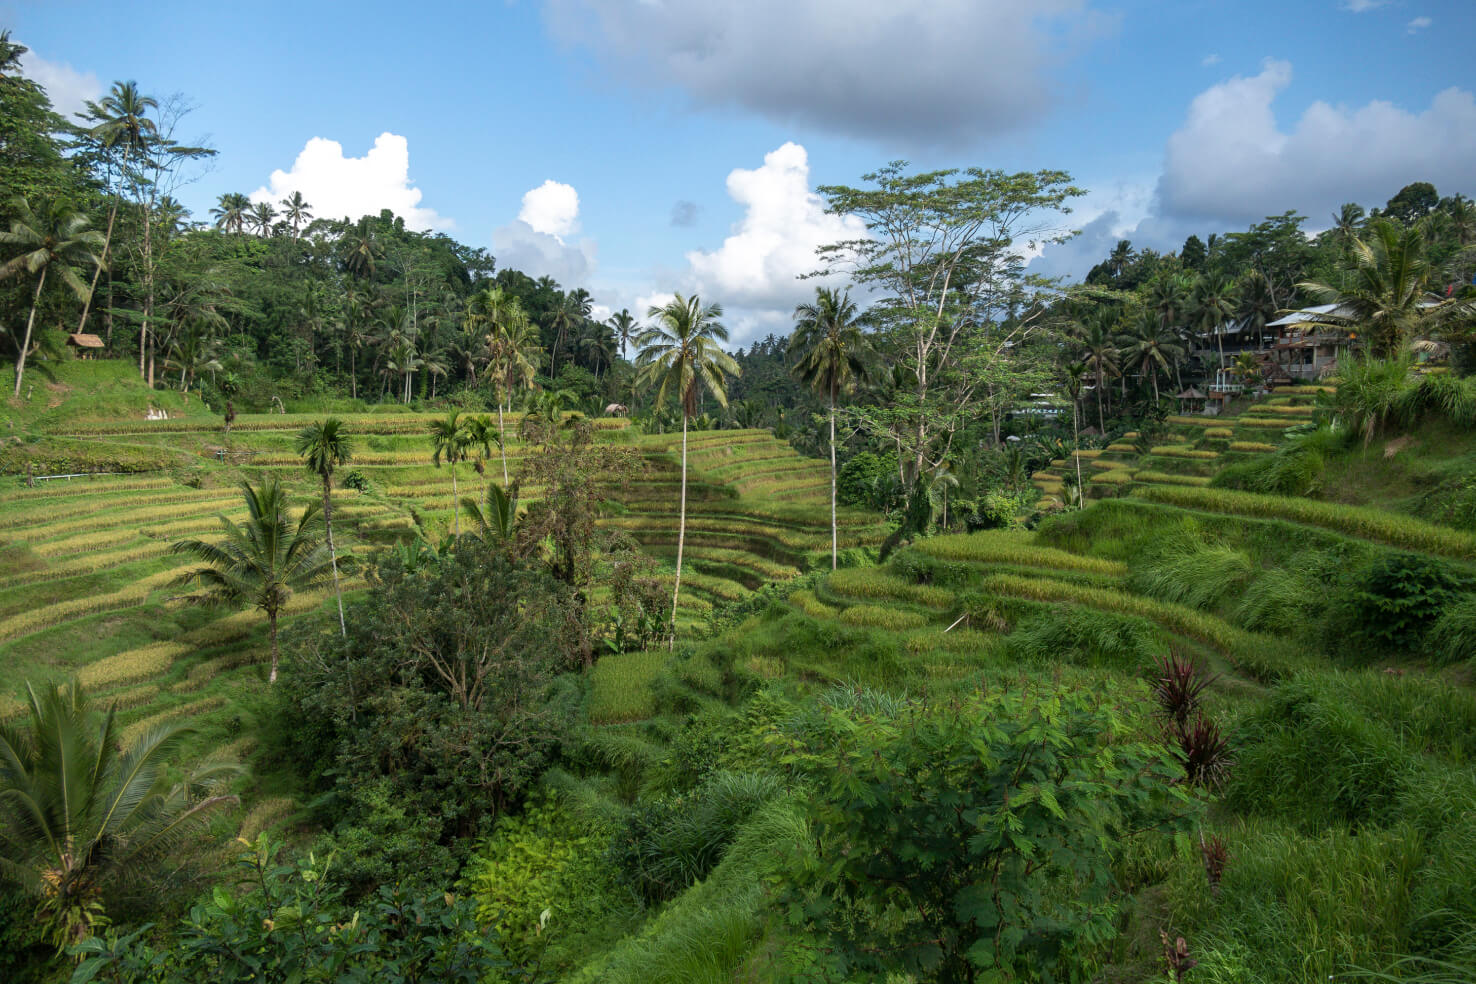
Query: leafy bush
[[1093, 638], [975, 835], [1401, 596], [869, 480], [545, 859], [667, 844], [1453, 638], [292, 924]]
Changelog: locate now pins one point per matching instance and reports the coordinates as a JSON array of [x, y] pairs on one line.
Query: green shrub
[[1401, 596], [665, 845], [1453, 638], [546, 859], [1092, 638]]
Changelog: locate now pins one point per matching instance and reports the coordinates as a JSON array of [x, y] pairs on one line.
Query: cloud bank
[[534, 242], [337, 186], [908, 72], [68, 89]]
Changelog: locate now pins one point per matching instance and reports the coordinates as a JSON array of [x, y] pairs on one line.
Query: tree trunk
[[332, 554], [272, 621], [20, 361], [455, 502], [502, 444], [681, 533], [1076, 439], [97, 271], [833, 529], [353, 372]]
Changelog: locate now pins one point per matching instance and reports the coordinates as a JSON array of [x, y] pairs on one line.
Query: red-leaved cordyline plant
[[1178, 686]]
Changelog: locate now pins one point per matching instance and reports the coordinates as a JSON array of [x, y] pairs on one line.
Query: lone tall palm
[[262, 561], [450, 440], [827, 346], [680, 355], [51, 241], [324, 446], [78, 811]]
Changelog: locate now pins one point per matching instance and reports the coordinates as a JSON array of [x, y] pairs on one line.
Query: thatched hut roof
[[84, 340]]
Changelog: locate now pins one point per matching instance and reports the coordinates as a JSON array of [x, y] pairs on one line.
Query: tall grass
[[1125, 643], [1004, 548], [620, 687], [1186, 570], [883, 617], [863, 582], [1360, 521]]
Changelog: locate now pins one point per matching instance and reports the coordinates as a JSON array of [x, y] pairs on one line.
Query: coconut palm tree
[[361, 249], [79, 811], [449, 440], [51, 241], [1099, 351], [623, 324], [324, 446], [1151, 346], [480, 436], [567, 319], [1075, 374], [296, 211], [514, 353], [680, 355], [230, 212], [1213, 301], [261, 217], [499, 520], [1389, 297], [828, 350], [262, 561]]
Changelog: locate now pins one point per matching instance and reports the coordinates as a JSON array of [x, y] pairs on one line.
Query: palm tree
[[1390, 295], [1075, 373], [595, 342], [50, 241], [512, 365], [230, 212], [1213, 302], [623, 323], [361, 249], [1346, 222], [828, 347], [261, 218], [681, 354], [79, 812], [480, 436], [449, 440], [296, 211], [1152, 347], [499, 520], [1099, 350], [324, 446], [567, 319], [263, 561]]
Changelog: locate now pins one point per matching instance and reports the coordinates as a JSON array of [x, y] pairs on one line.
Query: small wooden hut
[[86, 346], [1191, 401]]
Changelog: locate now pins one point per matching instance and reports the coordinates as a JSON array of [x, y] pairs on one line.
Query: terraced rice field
[[1197, 448], [87, 583]]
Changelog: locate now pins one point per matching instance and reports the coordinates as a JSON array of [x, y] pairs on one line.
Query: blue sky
[[642, 146]]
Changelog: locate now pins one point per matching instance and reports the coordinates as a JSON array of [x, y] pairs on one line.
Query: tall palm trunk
[[332, 554], [353, 372], [1102, 427], [502, 443], [97, 271], [681, 533], [455, 498], [834, 536], [20, 362], [1076, 440], [272, 622]]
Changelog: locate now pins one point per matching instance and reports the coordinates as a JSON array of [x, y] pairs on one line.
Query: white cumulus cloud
[[1360, 6], [1418, 24], [783, 222], [68, 89], [935, 72], [337, 186], [551, 208], [1230, 160]]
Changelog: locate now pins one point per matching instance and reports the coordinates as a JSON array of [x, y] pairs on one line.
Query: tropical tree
[[480, 436], [263, 561], [1075, 374], [623, 324], [498, 522], [1152, 347], [1213, 302], [1099, 351], [680, 355], [324, 446], [828, 351], [450, 440], [296, 211], [122, 131], [261, 217], [567, 319], [231, 211], [1388, 297], [512, 363], [80, 812], [51, 242]]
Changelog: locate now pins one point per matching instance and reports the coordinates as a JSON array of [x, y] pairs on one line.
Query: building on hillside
[[86, 346], [1306, 345]]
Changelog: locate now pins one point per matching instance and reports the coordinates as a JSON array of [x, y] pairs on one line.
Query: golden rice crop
[[1184, 421], [1167, 478], [620, 687], [99, 540], [1268, 423], [719, 587], [1291, 410], [137, 729], [138, 517], [134, 664], [868, 582], [883, 617], [99, 484], [1219, 433], [742, 558], [1360, 521], [264, 814], [86, 564], [806, 602], [1006, 548], [1121, 447], [1118, 477], [1087, 452], [1251, 446], [1182, 451], [1105, 465], [46, 616]]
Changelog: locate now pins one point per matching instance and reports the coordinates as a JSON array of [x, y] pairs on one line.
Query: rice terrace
[[957, 571]]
